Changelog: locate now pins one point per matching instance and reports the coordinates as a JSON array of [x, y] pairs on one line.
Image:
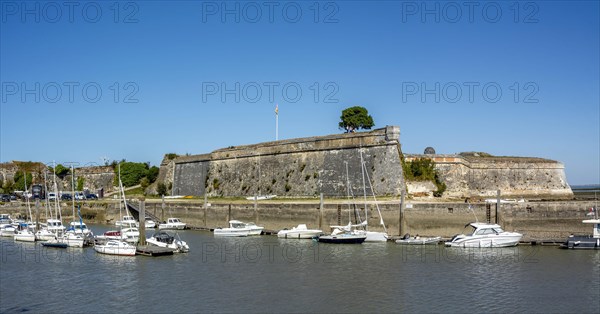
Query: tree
[[355, 118], [161, 189], [19, 179], [61, 171], [131, 173], [152, 174], [80, 182]]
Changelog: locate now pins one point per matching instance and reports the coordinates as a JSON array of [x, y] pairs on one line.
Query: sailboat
[[362, 226], [113, 242], [345, 234], [24, 233]]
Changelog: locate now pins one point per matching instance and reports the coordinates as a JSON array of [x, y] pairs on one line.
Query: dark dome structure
[[429, 151]]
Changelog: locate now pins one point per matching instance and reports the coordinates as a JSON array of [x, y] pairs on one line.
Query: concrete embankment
[[551, 220]]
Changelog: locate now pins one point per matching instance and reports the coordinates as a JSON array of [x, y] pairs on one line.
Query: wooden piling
[[142, 221]]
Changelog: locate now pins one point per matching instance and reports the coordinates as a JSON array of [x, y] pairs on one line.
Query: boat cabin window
[[498, 230], [484, 231]]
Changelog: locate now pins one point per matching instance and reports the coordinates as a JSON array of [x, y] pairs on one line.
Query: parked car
[[66, 197], [5, 198], [51, 196], [92, 196], [13, 197], [79, 196]]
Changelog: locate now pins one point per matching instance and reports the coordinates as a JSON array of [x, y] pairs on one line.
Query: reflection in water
[[267, 274]]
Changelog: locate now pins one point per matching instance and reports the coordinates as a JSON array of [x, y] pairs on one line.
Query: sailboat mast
[[375, 199], [362, 168], [27, 196], [73, 189], [348, 193], [56, 199], [47, 207]]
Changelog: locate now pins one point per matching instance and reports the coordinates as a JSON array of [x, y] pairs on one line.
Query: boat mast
[[123, 194], [56, 199], [47, 207], [375, 199], [348, 193], [27, 196], [73, 189], [362, 168]]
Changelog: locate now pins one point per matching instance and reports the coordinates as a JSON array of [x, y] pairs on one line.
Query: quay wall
[[536, 220]]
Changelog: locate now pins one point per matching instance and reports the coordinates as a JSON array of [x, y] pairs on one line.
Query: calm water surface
[[265, 274]]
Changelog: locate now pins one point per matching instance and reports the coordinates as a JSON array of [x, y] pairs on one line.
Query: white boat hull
[[25, 236], [420, 241], [485, 242], [171, 227], [292, 234], [116, 248], [299, 232], [231, 232], [73, 240], [373, 236]]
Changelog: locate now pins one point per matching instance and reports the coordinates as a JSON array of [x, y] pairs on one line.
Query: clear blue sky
[[174, 58]]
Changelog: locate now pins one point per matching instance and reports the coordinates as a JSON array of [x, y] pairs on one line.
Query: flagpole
[[277, 122]]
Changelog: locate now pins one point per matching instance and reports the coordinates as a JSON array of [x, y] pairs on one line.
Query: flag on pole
[[277, 109]]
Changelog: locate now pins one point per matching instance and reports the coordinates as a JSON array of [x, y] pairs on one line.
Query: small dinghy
[[416, 240]]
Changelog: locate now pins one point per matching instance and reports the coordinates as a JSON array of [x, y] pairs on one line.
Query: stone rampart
[[303, 167]]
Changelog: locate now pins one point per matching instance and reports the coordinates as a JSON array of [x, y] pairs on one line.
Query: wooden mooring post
[[142, 221]]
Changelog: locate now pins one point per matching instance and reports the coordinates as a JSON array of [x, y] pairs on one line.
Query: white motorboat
[[164, 239], [236, 229], [5, 219], [115, 247], [172, 224], [55, 226], [130, 235], [73, 240], [230, 232], [299, 232], [417, 240], [485, 235], [44, 235], [7, 230], [254, 229], [126, 221], [148, 223], [24, 234], [79, 227]]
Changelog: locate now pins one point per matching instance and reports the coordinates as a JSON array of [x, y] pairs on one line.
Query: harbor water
[[267, 274]]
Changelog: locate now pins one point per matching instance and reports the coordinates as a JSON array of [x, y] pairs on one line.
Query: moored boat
[[299, 232], [164, 239], [172, 224], [585, 242], [417, 240], [343, 238], [115, 247], [485, 235]]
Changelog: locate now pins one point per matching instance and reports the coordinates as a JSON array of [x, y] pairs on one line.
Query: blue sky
[[164, 68]]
